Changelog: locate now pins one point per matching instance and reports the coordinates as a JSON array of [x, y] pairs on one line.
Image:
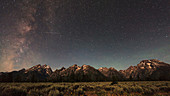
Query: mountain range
[[146, 70]]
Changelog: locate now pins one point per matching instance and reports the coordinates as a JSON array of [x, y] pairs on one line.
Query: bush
[[114, 82], [91, 88], [47, 90], [164, 88], [88, 88], [100, 93], [80, 91], [109, 88], [75, 87], [148, 92], [61, 88], [13, 92], [136, 89], [119, 90], [34, 92], [54, 93], [1, 89]]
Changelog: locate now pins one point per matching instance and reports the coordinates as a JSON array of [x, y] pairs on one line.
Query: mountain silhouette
[[146, 70]]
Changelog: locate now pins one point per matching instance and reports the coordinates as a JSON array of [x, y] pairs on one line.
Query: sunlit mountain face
[[101, 33]]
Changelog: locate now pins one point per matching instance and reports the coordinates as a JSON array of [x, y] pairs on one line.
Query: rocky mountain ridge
[[146, 70]]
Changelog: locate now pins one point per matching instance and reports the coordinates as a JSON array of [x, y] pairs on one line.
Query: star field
[[101, 33]]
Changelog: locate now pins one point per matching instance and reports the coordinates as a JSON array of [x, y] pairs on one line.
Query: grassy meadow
[[134, 88]]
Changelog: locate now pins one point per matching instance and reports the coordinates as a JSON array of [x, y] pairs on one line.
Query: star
[[166, 36]]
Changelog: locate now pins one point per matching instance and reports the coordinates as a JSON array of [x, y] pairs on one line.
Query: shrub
[[100, 93], [148, 92], [136, 89], [1, 89], [75, 87], [61, 88], [164, 88], [114, 82], [54, 93], [154, 89], [88, 88], [47, 90], [109, 88], [80, 91], [34, 92], [118, 90], [13, 92]]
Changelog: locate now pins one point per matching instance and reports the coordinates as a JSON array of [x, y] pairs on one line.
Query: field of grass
[[136, 88]]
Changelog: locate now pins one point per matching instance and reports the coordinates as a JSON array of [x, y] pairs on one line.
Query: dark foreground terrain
[[135, 88]]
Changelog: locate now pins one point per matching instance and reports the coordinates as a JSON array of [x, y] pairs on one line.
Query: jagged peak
[[130, 68], [41, 66], [150, 64], [106, 69], [103, 68], [155, 60], [150, 60], [63, 68], [35, 67], [23, 69], [85, 65], [46, 66], [75, 65], [111, 68], [38, 67]]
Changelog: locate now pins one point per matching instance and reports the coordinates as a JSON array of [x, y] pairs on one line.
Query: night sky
[[100, 33]]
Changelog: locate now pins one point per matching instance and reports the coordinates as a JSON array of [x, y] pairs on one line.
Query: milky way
[[18, 50], [107, 33]]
